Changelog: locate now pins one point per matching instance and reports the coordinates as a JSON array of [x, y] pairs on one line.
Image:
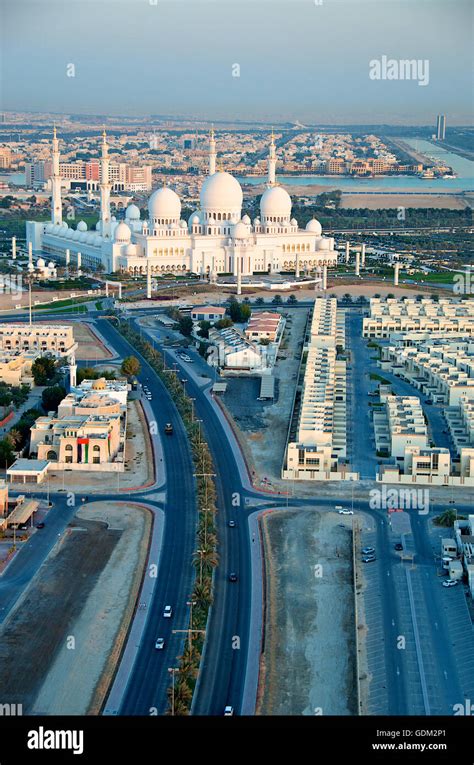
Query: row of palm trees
[[205, 557]]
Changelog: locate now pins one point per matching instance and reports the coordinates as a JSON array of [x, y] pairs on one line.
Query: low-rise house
[[207, 313]]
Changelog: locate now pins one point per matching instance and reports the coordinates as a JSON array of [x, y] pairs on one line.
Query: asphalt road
[[150, 677]]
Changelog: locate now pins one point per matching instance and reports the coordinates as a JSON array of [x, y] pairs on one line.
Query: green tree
[[186, 326], [224, 323], [265, 341], [245, 312], [5, 400], [277, 300], [204, 328], [130, 366], [52, 397], [7, 456], [43, 370], [260, 301], [292, 300]]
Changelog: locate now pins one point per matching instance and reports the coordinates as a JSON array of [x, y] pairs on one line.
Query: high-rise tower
[[441, 127]]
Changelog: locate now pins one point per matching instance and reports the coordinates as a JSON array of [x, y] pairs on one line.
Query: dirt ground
[[308, 664], [263, 427], [90, 347], [67, 631]]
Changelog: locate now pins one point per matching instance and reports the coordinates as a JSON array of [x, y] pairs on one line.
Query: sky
[[295, 60]]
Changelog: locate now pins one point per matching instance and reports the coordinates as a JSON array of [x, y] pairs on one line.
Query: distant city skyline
[[288, 60]]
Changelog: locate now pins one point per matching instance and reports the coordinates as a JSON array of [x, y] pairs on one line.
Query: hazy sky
[[298, 59]]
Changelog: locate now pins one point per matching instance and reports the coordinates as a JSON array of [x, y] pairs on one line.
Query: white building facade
[[215, 240]]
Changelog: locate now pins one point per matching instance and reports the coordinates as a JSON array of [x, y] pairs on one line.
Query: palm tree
[[205, 559], [202, 594]]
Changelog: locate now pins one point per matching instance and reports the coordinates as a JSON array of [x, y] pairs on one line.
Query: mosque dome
[[49, 228], [40, 263], [82, 226], [246, 220], [194, 219], [294, 222], [132, 212], [183, 224], [240, 231], [276, 203], [324, 244], [122, 233], [221, 192], [97, 240], [69, 233], [164, 203], [130, 249], [97, 226], [314, 226]]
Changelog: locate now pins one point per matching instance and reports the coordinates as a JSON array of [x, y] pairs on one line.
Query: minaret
[[212, 152], [105, 186], [272, 160], [56, 204]]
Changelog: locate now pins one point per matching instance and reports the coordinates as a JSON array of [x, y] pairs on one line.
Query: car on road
[[368, 550], [159, 644], [399, 546], [167, 612], [228, 711], [368, 559], [232, 524], [450, 583], [40, 525], [169, 429], [343, 511], [233, 577]]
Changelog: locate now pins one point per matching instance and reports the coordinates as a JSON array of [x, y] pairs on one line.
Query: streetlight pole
[[173, 671]]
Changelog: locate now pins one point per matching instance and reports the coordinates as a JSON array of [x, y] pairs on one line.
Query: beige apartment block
[[40, 338], [406, 424], [391, 316], [317, 449], [15, 367]]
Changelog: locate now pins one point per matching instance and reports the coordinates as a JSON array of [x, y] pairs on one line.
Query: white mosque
[[215, 240]]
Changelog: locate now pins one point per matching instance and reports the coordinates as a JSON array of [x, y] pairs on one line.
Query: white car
[[346, 512], [167, 612], [450, 583], [228, 711], [160, 644]]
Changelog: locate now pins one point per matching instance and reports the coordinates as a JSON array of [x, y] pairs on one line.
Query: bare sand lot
[[262, 428], [308, 663], [67, 631], [90, 346]]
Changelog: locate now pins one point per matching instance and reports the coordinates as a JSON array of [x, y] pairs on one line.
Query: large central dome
[[164, 205], [221, 192]]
